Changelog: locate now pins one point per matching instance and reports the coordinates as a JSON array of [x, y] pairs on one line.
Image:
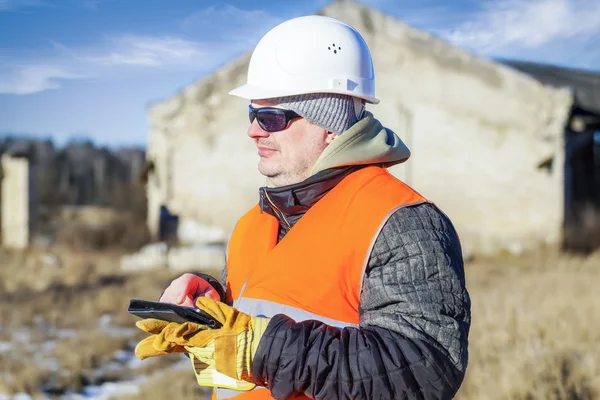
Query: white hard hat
[[312, 54]]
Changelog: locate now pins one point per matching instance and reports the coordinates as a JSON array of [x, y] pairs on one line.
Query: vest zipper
[[279, 213]]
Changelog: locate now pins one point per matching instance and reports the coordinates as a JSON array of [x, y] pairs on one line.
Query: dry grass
[[96, 228], [535, 332], [174, 383], [64, 314], [536, 328]]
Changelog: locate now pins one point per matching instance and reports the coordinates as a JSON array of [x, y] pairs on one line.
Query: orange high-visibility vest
[[316, 270]]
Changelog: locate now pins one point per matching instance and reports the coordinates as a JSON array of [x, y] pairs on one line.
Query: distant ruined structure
[[18, 200], [40, 179], [492, 143]]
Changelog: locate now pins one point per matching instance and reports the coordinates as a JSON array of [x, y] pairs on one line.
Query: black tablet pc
[[171, 312]]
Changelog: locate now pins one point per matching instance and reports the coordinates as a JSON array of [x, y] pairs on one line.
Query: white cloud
[[228, 24], [219, 33], [27, 79], [512, 25], [155, 52], [564, 32], [120, 56]]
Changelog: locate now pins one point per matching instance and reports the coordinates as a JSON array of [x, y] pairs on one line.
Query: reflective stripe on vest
[[268, 309], [316, 271]]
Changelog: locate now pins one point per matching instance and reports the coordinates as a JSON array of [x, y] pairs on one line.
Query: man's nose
[[256, 132]]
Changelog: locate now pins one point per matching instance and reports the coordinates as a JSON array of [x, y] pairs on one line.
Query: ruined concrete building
[[18, 198], [492, 143]]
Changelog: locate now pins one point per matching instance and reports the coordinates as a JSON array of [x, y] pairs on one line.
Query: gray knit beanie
[[331, 111]]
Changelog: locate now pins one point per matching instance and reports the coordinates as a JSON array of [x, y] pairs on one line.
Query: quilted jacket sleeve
[[414, 324]]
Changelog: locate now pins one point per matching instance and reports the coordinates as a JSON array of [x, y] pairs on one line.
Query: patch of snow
[[20, 396], [48, 363], [47, 346], [196, 257], [21, 335], [49, 260], [104, 321], [135, 363], [119, 332], [123, 356], [192, 232], [110, 390], [5, 347], [151, 256], [112, 366], [65, 333], [104, 324]]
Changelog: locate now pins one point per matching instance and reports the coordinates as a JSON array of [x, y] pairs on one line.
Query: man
[[346, 282]]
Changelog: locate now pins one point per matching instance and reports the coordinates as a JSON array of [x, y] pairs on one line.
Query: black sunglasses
[[271, 119]]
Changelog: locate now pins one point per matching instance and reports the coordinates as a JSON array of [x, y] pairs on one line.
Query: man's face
[[288, 156]]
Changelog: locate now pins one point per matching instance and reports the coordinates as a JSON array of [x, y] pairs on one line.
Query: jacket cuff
[[267, 347]]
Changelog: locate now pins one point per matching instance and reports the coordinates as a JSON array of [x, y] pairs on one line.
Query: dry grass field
[[65, 331], [536, 327]]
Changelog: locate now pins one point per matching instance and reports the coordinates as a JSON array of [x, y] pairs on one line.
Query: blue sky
[[89, 68]]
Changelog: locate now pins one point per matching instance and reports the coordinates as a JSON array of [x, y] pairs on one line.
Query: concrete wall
[[205, 165], [477, 131], [18, 201]]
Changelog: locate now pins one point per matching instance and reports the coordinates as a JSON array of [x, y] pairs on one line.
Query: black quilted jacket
[[414, 314]]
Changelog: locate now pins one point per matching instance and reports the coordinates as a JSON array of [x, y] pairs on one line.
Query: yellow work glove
[[167, 337], [232, 346], [203, 363], [171, 337]]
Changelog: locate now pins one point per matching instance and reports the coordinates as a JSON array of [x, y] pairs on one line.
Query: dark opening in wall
[[168, 225], [582, 183]]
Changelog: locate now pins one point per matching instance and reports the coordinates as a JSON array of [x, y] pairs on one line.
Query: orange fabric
[[256, 394], [259, 394], [318, 265]]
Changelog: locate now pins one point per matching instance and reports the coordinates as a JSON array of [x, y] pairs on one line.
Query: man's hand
[[233, 345], [171, 337], [229, 350], [166, 337], [186, 289]]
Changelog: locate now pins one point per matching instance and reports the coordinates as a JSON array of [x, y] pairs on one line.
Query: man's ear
[[330, 137]]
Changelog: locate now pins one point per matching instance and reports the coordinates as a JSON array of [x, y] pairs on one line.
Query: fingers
[[188, 302], [146, 349], [161, 343], [188, 328], [168, 337], [211, 294], [205, 289], [189, 334], [151, 325], [216, 309], [180, 288], [185, 289], [188, 287]]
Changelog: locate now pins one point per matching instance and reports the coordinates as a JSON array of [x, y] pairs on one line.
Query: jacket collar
[[289, 203]]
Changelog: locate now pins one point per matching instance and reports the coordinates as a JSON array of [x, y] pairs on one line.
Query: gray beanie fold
[[331, 111]]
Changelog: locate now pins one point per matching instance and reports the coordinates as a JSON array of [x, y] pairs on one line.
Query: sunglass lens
[[271, 121]]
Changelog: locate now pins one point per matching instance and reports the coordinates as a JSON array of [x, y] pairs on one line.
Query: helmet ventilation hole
[[339, 48]]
